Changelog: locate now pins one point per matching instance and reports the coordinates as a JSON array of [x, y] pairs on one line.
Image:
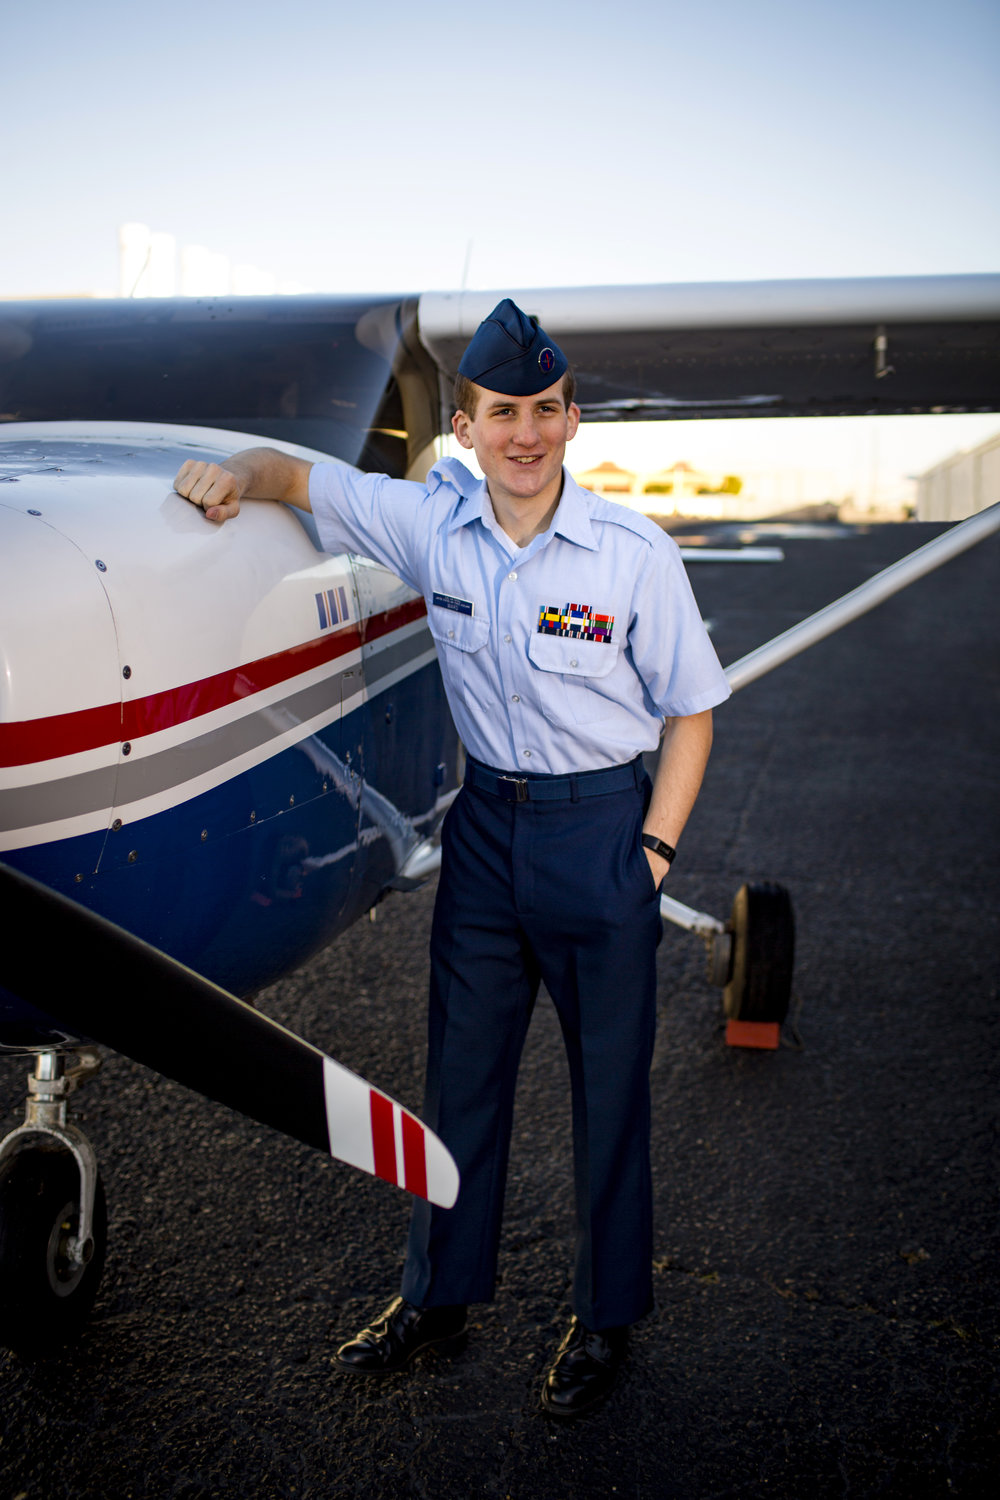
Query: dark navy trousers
[[561, 892]]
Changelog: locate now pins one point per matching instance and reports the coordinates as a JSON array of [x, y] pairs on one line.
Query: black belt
[[510, 787]]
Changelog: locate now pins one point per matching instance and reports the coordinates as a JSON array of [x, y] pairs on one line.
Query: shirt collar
[[470, 492], [571, 520]]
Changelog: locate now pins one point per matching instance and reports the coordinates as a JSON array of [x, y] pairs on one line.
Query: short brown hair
[[466, 393]]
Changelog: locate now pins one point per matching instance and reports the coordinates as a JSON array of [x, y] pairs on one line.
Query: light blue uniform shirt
[[528, 689]]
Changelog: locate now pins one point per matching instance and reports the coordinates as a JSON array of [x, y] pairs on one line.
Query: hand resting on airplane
[[254, 474]]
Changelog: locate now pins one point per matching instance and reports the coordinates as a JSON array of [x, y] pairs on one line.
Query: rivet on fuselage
[[101, 567], [34, 512], [204, 834], [253, 817], [116, 825], [126, 672], [291, 801], [133, 855], [126, 748], [78, 879]]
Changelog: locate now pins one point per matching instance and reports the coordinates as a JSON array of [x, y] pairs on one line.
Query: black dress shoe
[[584, 1370], [401, 1332]]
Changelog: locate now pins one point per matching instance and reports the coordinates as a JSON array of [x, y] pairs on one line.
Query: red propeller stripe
[[383, 1137], [414, 1157]]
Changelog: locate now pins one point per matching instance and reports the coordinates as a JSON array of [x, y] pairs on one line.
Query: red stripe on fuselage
[[383, 1137], [389, 620], [414, 1157], [26, 740]]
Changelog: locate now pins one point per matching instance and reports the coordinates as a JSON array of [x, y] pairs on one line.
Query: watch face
[[659, 847]]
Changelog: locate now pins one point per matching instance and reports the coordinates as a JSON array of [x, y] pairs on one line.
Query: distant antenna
[[134, 250], [147, 262], [144, 268]]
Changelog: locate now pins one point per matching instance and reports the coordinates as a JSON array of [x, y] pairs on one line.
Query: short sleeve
[[371, 514], [668, 642]]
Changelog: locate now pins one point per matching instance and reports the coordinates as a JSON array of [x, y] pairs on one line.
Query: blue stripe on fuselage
[[244, 882]]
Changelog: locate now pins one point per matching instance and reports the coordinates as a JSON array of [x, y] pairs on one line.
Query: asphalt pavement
[[826, 1215]]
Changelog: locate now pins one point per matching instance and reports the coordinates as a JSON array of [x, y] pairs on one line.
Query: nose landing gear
[[53, 1216]]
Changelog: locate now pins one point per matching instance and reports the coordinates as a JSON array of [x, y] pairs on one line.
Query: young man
[[554, 851]]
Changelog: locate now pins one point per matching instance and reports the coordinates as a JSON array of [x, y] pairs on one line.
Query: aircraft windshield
[[284, 367]]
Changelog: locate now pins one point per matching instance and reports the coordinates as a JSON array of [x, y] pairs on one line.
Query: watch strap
[[665, 851]]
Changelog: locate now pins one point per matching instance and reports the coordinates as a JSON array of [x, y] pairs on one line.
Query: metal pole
[[865, 597]]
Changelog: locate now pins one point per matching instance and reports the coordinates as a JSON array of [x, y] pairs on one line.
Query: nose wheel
[[53, 1215], [48, 1278]]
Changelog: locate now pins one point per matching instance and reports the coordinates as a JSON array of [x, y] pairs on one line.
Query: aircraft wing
[[854, 347], [368, 379]]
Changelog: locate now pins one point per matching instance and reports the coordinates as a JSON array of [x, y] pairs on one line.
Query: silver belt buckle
[[520, 785]]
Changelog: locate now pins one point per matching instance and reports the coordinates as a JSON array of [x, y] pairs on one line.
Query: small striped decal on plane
[[331, 606]]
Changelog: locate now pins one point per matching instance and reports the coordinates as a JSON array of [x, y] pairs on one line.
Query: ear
[[460, 426], [572, 420]]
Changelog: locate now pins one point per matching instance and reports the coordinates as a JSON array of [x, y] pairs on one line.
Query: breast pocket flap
[[572, 658], [461, 632]]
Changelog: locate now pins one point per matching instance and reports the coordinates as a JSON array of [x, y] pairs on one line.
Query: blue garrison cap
[[509, 353]]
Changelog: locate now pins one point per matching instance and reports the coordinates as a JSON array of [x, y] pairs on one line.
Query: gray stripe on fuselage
[[380, 664], [181, 763], [94, 791], [51, 801]]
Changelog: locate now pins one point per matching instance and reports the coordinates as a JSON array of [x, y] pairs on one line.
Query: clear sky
[[405, 146]]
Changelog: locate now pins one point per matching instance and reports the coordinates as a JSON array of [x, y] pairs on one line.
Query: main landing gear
[[750, 958], [53, 1217]]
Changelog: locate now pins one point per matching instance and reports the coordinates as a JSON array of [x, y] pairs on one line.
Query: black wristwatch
[[650, 841]]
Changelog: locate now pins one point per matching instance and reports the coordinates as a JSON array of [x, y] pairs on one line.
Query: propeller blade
[[116, 989]]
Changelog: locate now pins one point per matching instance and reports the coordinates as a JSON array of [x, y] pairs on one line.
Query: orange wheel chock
[[765, 1034]]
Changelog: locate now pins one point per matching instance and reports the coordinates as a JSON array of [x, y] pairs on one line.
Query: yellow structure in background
[[677, 490], [608, 479]]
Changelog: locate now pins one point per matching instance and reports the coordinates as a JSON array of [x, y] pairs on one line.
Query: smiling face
[[520, 442]]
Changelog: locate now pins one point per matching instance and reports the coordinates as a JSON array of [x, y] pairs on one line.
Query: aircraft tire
[[44, 1298], [760, 978]]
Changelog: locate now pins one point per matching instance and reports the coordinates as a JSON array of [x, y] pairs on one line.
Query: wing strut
[[865, 597]]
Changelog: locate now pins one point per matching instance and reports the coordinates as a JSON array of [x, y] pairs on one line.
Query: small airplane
[[220, 746]]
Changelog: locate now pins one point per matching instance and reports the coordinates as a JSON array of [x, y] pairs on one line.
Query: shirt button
[[507, 639], [515, 698], [451, 637], [573, 662], [526, 754], [512, 576]]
